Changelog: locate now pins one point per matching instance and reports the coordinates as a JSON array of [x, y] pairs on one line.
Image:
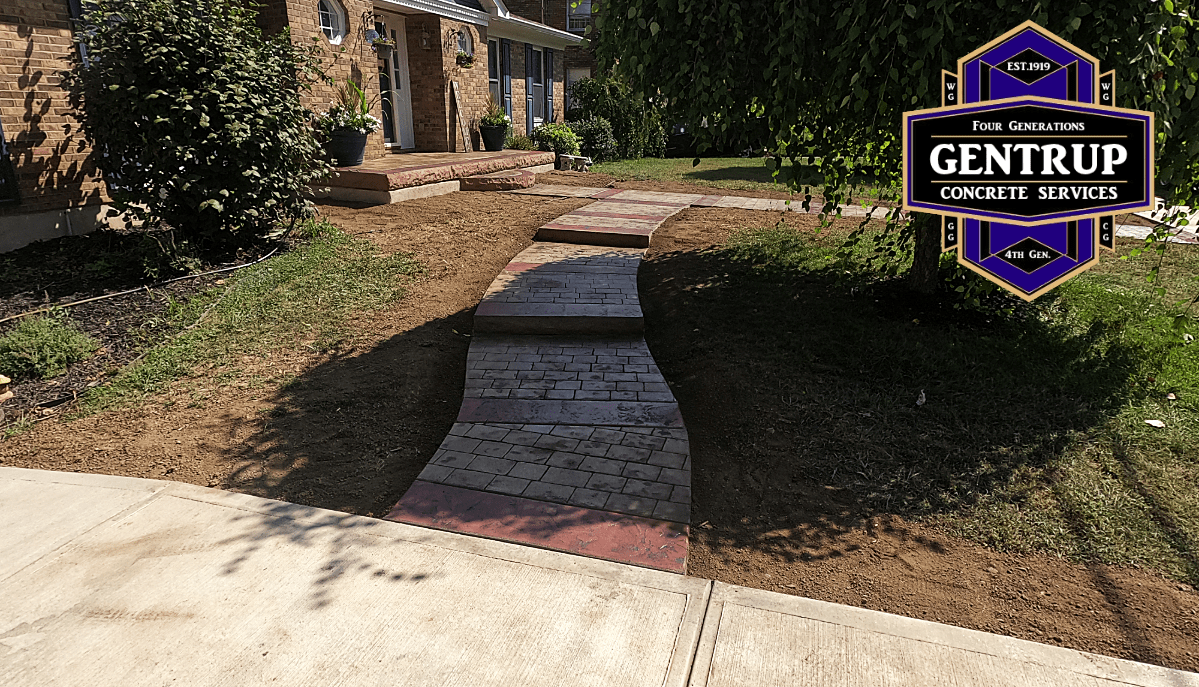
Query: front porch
[[404, 176]]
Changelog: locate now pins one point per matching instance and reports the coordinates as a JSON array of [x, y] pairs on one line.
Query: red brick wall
[[518, 87], [555, 16], [54, 165], [472, 86], [426, 67], [353, 59]]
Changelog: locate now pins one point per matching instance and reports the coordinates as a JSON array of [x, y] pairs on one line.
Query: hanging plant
[[465, 60]]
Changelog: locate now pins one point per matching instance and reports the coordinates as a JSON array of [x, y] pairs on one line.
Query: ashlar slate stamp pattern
[[582, 370], [633, 470]]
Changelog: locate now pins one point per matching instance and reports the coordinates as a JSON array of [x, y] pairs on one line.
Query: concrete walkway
[[120, 581], [568, 437]]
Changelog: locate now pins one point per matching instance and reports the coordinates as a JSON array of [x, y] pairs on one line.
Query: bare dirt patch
[[348, 430], [761, 519]]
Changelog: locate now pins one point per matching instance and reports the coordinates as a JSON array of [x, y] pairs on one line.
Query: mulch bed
[[59, 272]]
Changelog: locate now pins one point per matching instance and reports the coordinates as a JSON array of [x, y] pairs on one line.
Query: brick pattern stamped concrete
[[633, 470], [555, 287], [568, 436]]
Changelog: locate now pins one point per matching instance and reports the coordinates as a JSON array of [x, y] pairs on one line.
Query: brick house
[[54, 188], [573, 16]]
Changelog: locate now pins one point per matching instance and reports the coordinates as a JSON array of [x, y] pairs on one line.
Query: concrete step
[[554, 288], [610, 222], [508, 180]]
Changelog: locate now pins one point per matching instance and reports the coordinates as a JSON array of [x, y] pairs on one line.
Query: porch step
[[612, 221], [557, 288], [508, 180], [406, 176]]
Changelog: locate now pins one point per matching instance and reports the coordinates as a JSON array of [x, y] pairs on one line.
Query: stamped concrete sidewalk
[[568, 437], [121, 581]]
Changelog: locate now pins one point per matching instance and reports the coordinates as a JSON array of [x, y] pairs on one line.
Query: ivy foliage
[[195, 117], [831, 80]]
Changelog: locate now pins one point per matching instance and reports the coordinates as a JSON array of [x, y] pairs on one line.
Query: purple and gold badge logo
[[1028, 161]]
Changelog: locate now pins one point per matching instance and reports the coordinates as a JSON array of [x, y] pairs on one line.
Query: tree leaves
[[827, 80]]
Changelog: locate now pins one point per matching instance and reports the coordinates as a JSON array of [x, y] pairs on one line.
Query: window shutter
[[528, 88], [549, 85], [506, 75]]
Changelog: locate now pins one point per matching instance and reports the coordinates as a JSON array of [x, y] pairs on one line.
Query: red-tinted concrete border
[[583, 531], [662, 203], [591, 228], [649, 218]]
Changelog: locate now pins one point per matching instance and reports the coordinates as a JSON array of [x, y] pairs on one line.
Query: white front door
[[395, 93]]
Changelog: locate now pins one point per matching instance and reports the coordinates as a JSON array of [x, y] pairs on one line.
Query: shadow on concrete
[[353, 433], [343, 542]]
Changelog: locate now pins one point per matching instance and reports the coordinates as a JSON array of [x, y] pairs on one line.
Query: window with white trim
[[332, 19], [578, 15]]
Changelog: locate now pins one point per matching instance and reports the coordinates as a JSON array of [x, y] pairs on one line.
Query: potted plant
[[383, 46], [493, 126], [346, 124], [465, 60]]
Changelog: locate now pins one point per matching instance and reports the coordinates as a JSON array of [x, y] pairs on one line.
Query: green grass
[[736, 173], [43, 346], [1033, 437], [741, 173], [303, 298]]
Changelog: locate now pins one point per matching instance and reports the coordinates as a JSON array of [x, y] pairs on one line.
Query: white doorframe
[[401, 85]]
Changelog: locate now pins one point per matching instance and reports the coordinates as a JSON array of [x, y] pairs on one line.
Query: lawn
[[734, 173], [740, 173]]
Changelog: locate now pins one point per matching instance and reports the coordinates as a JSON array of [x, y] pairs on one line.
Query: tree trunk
[[923, 276]]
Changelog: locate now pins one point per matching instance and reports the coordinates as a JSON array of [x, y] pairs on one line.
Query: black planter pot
[[493, 136], [346, 148]]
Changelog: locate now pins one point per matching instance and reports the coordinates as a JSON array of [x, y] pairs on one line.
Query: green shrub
[[43, 347], [519, 142], [556, 138], [636, 122], [596, 138], [197, 116]]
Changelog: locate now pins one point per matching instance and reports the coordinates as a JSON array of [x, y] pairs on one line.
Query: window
[[493, 70], [578, 16], [573, 75], [535, 69], [78, 9], [464, 42], [332, 20]]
